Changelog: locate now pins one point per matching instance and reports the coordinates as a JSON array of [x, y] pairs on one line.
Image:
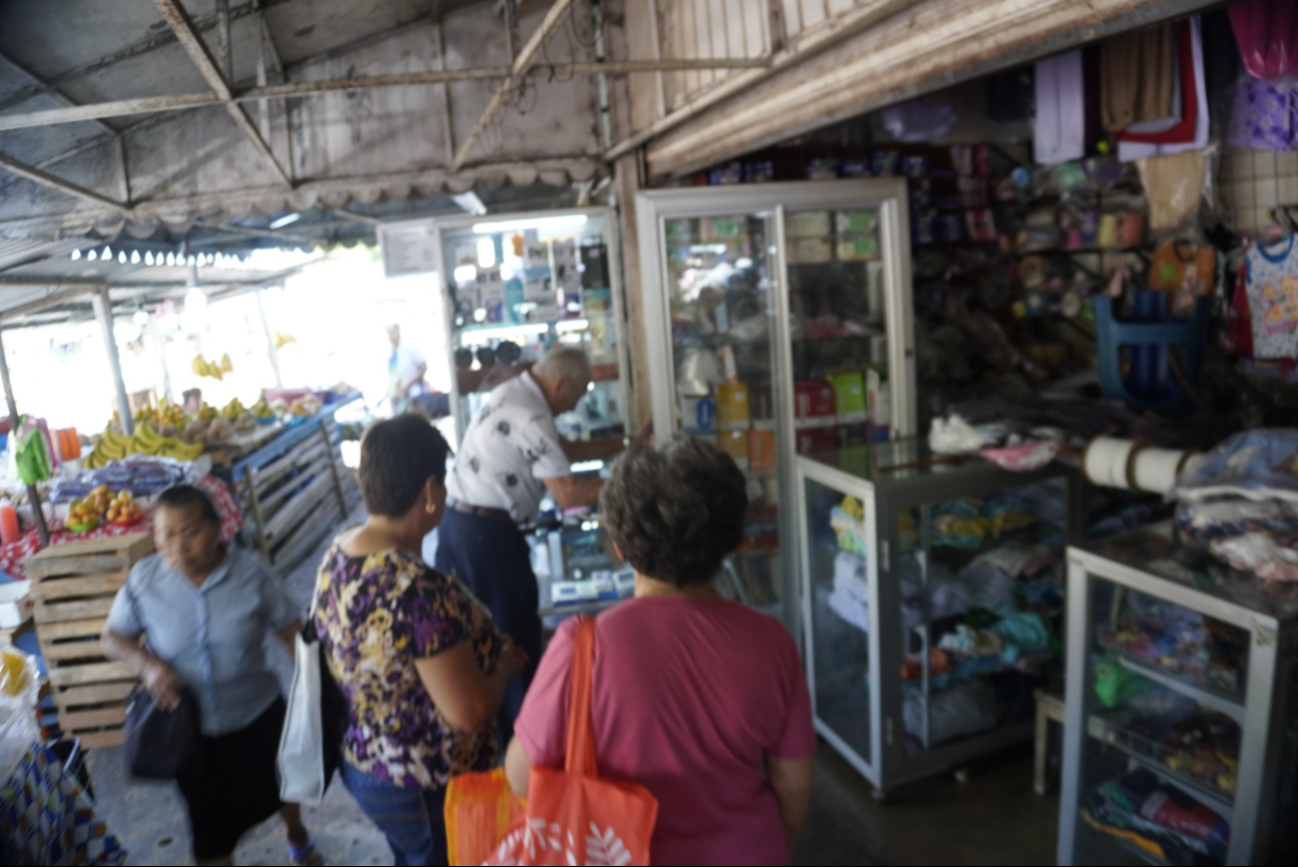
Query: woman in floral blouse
[[422, 666]]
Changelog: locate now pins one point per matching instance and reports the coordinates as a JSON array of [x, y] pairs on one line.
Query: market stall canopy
[[135, 114]]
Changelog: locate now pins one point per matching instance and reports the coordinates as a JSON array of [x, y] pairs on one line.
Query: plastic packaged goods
[[1256, 465], [1264, 556], [1159, 819], [1217, 519], [732, 407]]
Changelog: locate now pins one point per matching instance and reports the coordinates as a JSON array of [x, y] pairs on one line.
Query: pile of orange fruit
[[123, 509], [87, 512]]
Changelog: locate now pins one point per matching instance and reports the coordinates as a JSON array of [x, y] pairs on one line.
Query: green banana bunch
[[32, 458]]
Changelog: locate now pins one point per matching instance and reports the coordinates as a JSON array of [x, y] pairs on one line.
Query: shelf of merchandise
[[1101, 730], [858, 691], [1151, 566]]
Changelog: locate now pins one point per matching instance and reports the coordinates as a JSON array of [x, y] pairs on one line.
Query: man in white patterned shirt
[[511, 456]]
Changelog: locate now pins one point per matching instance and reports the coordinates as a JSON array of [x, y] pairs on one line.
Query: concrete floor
[[993, 818]]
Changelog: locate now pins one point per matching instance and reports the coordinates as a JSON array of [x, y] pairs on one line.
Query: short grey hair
[[564, 364]]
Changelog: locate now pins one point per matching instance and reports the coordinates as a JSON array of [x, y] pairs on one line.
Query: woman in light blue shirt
[[205, 609]]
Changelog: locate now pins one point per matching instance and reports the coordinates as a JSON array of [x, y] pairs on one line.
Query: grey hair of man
[[564, 363], [563, 374]]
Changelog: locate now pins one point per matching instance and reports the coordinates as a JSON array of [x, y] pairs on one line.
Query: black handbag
[[162, 745]]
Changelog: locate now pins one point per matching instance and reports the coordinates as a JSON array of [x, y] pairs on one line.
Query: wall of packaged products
[[517, 284]]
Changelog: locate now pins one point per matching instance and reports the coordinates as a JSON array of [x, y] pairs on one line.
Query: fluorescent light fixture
[[470, 203], [502, 332], [567, 221], [286, 220], [572, 325]]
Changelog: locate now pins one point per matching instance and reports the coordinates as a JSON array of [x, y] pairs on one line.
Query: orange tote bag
[[573, 816]]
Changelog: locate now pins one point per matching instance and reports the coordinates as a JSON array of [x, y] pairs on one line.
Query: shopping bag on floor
[[573, 816], [479, 811]]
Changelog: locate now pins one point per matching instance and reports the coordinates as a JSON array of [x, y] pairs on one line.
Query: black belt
[[483, 512]]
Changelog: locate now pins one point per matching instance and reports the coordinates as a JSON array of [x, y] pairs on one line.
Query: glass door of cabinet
[[718, 292], [840, 568], [720, 270]]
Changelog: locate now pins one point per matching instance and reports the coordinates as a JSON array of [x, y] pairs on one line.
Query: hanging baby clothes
[[1136, 72], [1060, 134], [1273, 299]]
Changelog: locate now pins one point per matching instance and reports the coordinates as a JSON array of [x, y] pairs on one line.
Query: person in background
[[701, 701], [192, 401], [406, 369], [423, 668], [206, 608], [511, 457]]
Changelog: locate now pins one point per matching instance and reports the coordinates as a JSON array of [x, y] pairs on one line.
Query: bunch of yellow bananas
[[113, 446]]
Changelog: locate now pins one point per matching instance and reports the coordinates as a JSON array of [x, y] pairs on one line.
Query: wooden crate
[[73, 587]]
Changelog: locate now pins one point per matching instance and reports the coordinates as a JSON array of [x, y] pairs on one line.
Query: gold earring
[[430, 508]]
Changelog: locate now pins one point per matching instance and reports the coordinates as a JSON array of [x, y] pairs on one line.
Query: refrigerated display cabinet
[[932, 602], [516, 284], [1181, 737], [778, 321]]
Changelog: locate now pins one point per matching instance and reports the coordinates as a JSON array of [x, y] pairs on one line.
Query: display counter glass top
[[1156, 551]]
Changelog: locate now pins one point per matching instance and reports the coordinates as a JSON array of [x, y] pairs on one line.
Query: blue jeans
[[411, 819]]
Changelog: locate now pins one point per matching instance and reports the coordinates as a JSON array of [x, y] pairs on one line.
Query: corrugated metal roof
[[364, 146]]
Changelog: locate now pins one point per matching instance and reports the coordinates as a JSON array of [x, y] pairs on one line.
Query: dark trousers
[[492, 558]]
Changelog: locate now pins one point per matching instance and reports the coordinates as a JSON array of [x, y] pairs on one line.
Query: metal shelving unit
[[1228, 644], [883, 723]]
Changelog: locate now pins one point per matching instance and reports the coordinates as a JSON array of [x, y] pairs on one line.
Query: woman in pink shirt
[[701, 701]]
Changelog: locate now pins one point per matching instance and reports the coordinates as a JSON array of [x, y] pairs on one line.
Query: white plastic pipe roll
[[1132, 465]]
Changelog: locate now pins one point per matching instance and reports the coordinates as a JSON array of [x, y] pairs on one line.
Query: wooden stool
[[1050, 708]]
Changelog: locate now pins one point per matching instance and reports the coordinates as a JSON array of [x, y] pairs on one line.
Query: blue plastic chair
[[1151, 334]]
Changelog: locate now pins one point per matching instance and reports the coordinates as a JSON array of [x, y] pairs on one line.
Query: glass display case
[[519, 283], [1181, 738], [778, 321], [932, 602]]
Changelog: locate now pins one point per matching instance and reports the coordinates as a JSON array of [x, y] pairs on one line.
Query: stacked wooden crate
[[73, 587]]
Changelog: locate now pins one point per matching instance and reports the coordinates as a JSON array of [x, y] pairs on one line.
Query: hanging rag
[[1136, 72], [1174, 187], [1267, 34], [1060, 132]]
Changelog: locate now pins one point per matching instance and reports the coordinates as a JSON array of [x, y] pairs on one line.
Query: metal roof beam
[[522, 63], [46, 179], [185, 101], [50, 90], [183, 26]]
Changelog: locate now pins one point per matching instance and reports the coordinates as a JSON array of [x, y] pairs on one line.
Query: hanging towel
[[1135, 150], [1136, 73], [1060, 135]]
